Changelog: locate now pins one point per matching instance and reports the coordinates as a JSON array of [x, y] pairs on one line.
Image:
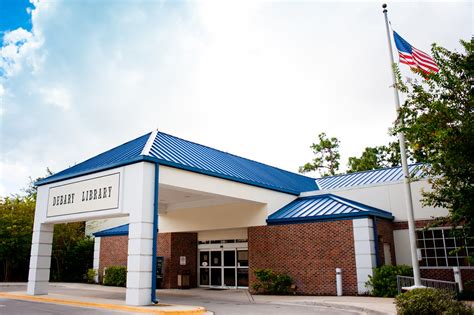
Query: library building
[[179, 214]]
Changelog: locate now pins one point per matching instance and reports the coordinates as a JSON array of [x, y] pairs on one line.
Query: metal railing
[[403, 281]]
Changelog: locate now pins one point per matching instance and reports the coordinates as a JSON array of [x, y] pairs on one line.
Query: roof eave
[[49, 180], [143, 158], [347, 216]]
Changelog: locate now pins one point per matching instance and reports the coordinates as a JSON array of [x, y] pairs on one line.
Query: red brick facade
[[114, 252], [385, 236], [172, 246], [309, 253], [419, 224], [445, 274]]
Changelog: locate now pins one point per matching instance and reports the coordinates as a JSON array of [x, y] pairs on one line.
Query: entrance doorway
[[223, 264]]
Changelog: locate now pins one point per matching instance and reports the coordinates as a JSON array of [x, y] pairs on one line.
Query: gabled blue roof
[[115, 231], [322, 208], [179, 153], [124, 153], [383, 175]]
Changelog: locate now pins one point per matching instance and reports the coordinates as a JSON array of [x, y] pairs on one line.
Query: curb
[[197, 310]]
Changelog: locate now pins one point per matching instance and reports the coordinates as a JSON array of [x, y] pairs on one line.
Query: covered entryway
[[161, 183]]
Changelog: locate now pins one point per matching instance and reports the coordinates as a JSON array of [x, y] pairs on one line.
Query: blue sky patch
[[14, 14]]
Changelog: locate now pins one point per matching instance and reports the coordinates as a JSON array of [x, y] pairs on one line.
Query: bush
[[384, 281], [430, 302], [468, 293], [271, 283], [115, 276], [90, 275]]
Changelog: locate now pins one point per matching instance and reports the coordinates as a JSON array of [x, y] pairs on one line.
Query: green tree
[[72, 251], [32, 190], [327, 156], [382, 156], [16, 226], [437, 118]]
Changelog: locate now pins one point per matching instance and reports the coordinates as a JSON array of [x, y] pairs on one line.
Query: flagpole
[[406, 174]]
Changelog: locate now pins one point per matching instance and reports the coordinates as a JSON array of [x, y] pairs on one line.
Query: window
[[440, 248]]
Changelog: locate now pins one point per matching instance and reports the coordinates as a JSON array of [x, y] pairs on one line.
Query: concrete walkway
[[196, 301], [361, 304]]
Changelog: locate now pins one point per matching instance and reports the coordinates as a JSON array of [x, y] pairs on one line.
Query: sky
[[260, 79]]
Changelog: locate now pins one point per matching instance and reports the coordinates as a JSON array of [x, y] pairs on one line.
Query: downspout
[[376, 242], [154, 299]]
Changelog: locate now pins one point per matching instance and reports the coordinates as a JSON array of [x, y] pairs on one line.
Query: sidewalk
[[184, 301], [363, 304], [95, 297]]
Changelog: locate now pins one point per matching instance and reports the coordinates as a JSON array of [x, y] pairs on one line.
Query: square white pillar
[[140, 241], [40, 260], [96, 262], [364, 246]]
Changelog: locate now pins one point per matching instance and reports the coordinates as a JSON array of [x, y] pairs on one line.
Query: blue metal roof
[[179, 153], [191, 156], [124, 153], [322, 208], [383, 175], [115, 231]]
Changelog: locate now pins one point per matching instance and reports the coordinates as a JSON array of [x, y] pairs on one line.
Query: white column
[[140, 241], [40, 260], [41, 247], [96, 262], [364, 246]]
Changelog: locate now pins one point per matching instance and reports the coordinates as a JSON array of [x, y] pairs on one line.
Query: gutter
[[154, 299], [376, 241]]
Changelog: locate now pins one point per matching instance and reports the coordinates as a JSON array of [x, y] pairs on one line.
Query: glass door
[[228, 268], [223, 267]]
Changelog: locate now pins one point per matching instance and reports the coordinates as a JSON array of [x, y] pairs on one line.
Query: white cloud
[[259, 79]]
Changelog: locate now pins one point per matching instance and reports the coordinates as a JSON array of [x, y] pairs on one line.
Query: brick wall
[[309, 253], [403, 225], [385, 235], [446, 274], [172, 246], [114, 252]]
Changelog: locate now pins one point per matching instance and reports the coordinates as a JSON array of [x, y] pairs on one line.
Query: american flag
[[413, 57]]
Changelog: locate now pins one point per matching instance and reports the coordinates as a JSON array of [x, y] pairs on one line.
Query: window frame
[[445, 260]]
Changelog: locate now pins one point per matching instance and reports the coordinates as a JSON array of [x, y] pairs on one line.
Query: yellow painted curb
[[42, 299]]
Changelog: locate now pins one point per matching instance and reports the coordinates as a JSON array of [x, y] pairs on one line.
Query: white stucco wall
[[273, 200], [237, 234], [251, 207], [213, 218], [402, 247], [133, 179], [391, 197]]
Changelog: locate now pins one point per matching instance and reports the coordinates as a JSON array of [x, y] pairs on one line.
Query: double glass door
[[223, 268]]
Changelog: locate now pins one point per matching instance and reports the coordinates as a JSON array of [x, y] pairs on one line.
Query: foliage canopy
[[437, 118], [326, 160]]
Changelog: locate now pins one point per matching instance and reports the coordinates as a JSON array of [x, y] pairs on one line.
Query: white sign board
[[90, 195]]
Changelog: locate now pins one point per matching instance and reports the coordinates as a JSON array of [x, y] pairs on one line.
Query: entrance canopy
[[190, 187]]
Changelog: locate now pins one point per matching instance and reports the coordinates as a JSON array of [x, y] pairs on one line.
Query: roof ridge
[[369, 171], [149, 143], [238, 156]]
